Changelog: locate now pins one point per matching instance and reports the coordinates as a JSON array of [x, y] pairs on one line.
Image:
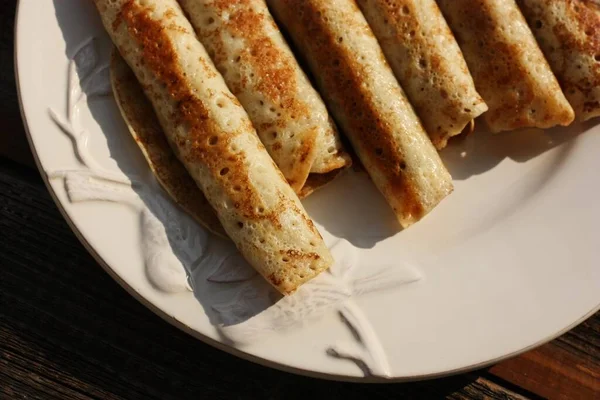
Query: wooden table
[[68, 331]]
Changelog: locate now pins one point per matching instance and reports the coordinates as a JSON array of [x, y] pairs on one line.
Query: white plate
[[510, 260]]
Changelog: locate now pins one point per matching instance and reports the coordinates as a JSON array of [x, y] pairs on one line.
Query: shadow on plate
[[352, 208], [481, 151]]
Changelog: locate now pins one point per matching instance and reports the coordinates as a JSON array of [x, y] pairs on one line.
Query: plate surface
[[510, 260]]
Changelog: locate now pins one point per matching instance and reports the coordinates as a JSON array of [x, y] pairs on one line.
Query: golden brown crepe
[[214, 139], [508, 67], [365, 98], [145, 128], [260, 69], [428, 63], [568, 31]]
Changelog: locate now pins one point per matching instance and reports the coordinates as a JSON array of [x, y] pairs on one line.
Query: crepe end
[[288, 280], [318, 181], [413, 213]]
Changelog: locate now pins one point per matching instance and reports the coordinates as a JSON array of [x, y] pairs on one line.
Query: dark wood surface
[[68, 331]]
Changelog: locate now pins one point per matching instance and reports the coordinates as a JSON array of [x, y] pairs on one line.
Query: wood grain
[[557, 370], [13, 142]]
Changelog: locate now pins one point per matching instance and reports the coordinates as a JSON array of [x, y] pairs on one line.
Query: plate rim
[[214, 343]]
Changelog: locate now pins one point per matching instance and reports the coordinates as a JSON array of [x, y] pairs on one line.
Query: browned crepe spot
[[148, 134], [507, 70], [274, 76], [160, 57], [372, 132], [568, 31]]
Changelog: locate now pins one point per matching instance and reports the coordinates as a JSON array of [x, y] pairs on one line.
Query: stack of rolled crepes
[[261, 71], [214, 139], [218, 102], [367, 101]]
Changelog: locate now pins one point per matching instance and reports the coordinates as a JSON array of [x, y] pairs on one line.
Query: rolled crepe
[[213, 137], [568, 31], [507, 65], [145, 128], [428, 63], [367, 101], [260, 69]]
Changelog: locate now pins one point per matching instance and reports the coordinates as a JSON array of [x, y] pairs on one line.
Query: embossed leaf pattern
[[239, 308], [85, 186], [324, 292], [346, 260], [244, 322], [81, 68], [85, 77], [385, 278], [367, 353], [170, 242], [163, 268], [311, 300], [186, 238], [98, 84], [86, 57], [234, 268], [88, 76]]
